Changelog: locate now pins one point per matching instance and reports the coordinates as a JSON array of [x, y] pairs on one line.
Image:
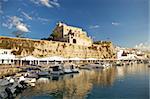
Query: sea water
[[125, 82]]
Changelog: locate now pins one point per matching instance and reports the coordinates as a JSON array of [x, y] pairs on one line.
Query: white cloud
[[94, 26], [35, 1], [55, 2], [47, 3], [26, 15], [143, 46], [19, 9], [17, 23], [22, 27], [4, 25], [115, 23], [14, 21], [43, 19]]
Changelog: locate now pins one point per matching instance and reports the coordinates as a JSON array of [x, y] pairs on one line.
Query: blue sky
[[125, 22]]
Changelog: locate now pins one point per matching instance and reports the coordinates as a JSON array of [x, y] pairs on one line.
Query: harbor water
[[122, 82]]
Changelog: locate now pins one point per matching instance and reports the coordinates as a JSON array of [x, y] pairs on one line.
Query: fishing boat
[[118, 63], [70, 68], [95, 66], [29, 81], [106, 65], [74, 69], [57, 70], [67, 70], [43, 73], [6, 81], [31, 74], [41, 79], [85, 67]]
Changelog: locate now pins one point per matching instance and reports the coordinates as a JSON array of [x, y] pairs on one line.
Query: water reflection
[[131, 69], [78, 86]]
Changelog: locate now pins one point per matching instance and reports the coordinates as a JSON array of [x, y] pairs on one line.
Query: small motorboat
[[70, 69], [96, 66], [31, 74], [4, 82], [118, 63], [74, 69], [67, 70], [85, 67], [29, 81], [45, 80], [57, 70], [43, 73], [106, 65]]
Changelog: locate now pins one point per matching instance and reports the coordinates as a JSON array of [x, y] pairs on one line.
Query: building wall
[[58, 32], [62, 31], [5, 52], [6, 56]]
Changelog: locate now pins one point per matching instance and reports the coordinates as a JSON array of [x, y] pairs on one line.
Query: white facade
[[130, 55], [119, 54], [6, 56]]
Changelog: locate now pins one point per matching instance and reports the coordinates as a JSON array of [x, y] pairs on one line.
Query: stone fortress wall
[[71, 34], [43, 48]]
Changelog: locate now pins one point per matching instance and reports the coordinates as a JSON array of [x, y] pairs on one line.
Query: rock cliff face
[[41, 48]]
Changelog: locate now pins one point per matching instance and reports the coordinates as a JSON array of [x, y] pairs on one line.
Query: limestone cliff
[[42, 48]]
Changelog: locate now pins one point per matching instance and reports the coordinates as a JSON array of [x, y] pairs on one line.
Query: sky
[[124, 22]]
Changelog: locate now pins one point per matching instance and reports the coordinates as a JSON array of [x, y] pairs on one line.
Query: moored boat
[[118, 63], [100, 65], [70, 69], [31, 74], [57, 70], [43, 73]]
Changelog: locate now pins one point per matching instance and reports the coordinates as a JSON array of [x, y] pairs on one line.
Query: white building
[[130, 54], [124, 55], [6, 57]]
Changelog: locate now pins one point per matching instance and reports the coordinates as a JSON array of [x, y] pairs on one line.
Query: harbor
[[20, 74], [74, 49], [31, 76], [25, 83], [64, 70]]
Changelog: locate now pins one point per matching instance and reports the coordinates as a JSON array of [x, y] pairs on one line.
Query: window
[[2, 61], [74, 41], [5, 52]]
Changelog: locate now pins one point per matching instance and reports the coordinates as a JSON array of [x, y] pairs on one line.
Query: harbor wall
[[43, 48], [6, 70]]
